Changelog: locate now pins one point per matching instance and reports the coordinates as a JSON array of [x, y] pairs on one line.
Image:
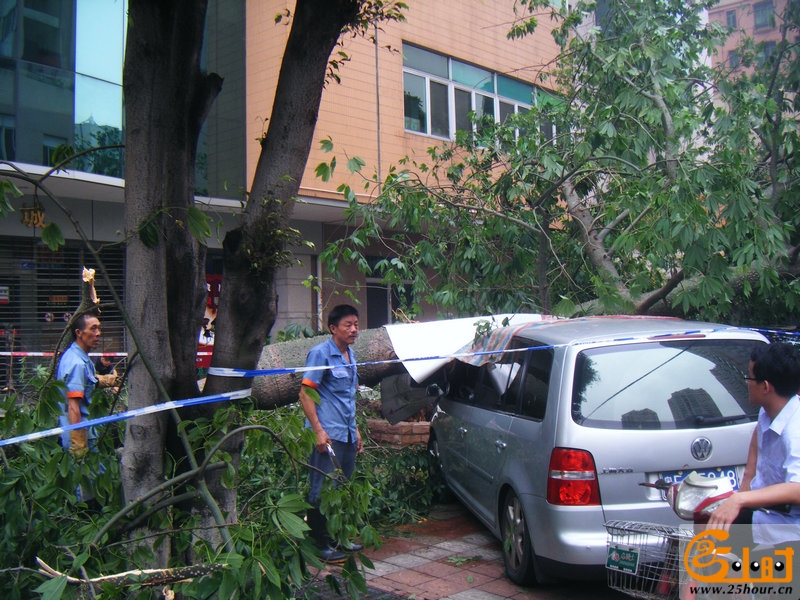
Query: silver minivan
[[547, 430]]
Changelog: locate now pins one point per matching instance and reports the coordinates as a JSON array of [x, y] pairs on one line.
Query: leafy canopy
[[650, 182]]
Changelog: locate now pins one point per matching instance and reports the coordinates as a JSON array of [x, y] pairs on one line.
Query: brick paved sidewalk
[[451, 556]]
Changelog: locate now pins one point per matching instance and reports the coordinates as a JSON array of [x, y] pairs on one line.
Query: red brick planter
[[404, 433]]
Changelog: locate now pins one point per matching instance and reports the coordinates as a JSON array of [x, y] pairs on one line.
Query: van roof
[[605, 328]]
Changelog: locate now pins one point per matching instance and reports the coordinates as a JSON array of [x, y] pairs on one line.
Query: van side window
[[537, 381]]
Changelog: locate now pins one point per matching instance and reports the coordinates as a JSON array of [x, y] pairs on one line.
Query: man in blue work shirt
[[332, 418], [76, 370]]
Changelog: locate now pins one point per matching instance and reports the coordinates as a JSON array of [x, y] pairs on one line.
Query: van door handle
[[500, 445]]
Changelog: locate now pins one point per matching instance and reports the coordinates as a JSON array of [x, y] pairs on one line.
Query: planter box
[[404, 433]]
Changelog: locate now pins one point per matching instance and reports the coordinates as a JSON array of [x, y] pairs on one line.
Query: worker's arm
[[309, 405], [750, 465], [77, 437]]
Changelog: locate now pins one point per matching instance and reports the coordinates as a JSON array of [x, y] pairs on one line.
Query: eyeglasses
[[746, 378]]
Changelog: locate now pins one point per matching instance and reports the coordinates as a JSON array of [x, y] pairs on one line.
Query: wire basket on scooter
[[644, 559]]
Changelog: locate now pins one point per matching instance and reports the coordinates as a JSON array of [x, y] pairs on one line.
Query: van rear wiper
[[711, 421]]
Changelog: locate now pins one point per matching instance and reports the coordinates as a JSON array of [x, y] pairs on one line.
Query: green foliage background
[[41, 517]]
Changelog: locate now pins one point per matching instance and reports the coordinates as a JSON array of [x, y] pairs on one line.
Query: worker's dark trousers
[[346, 461]]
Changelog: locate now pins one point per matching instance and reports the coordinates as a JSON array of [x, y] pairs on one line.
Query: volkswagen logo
[[701, 448]]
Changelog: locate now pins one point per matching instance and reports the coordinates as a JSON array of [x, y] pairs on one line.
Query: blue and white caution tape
[[249, 373], [137, 412]]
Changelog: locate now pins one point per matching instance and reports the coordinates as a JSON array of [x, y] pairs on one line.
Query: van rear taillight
[[572, 478]]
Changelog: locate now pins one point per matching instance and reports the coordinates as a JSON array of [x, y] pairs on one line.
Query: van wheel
[[521, 564]]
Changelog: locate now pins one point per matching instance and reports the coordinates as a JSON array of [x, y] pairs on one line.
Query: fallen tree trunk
[[271, 391]]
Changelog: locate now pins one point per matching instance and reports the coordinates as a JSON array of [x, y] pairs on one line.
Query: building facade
[[758, 20], [409, 87]]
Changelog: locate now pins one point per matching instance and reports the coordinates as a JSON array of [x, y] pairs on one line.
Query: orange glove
[[78, 444]]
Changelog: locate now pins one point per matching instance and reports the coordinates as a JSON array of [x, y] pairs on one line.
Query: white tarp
[[440, 339]]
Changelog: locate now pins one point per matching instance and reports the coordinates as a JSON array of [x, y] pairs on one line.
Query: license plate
[[623, 559], [678, 476]]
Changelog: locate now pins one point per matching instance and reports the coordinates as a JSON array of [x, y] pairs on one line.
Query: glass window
[[414, 101], [733, 59], [441, 92], [47, 33], [100, 39], [8, 26], [522, 378], [514, 89], [7, 86], [424, 60], [506, 110], [766, 52], [484, 106], [45, 109], [7, 138], [536, 384], [98, 101], [98, 122], [474, 77], [463, 108], [730, 17], [49, 145], [763, 15], [440, 115], [667, 385]]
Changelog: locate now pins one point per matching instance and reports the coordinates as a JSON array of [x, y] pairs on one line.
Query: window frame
[[455, 118], [763, 15]]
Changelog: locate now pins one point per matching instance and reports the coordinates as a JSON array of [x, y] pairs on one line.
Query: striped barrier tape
[[249, 373], [137, 412]]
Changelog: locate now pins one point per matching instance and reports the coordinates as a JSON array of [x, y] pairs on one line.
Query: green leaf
[[326, 144], [52, 589], [52, 236], [148, 233], [355, 164], [313, 394], [199, 224]]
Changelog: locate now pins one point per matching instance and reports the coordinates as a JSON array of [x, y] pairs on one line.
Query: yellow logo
[[709, 562]]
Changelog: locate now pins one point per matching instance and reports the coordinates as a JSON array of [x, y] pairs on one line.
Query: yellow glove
[[78, 444], [106, 381]]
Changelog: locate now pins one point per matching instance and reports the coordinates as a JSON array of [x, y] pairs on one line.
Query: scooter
[[693, 499], [696, 496]]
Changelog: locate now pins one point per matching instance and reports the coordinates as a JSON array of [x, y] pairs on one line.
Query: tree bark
[[253, 252], [166, 100]]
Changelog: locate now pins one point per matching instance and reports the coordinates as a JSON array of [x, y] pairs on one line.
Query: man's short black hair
[[79, 324], [340, 312], [778, 363]]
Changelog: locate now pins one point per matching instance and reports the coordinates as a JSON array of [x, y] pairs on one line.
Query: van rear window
[[682, 384]]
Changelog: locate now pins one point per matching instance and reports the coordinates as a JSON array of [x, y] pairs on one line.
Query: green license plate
[[623, 559]]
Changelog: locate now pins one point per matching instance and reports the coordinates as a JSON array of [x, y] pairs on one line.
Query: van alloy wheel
[[518, 556]]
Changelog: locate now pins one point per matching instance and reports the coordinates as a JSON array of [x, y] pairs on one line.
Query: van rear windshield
[[683, 384]]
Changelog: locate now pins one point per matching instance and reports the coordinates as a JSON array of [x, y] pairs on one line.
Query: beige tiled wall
[[469, 30]]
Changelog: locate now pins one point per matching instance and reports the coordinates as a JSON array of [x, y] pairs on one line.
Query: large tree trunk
[[167, 98], [253, 252]]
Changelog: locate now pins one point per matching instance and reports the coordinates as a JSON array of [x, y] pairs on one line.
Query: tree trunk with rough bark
[[255, 251], [167, 98]]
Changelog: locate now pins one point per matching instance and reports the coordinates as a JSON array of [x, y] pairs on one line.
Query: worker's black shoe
[[331, 555], [351, 547]]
